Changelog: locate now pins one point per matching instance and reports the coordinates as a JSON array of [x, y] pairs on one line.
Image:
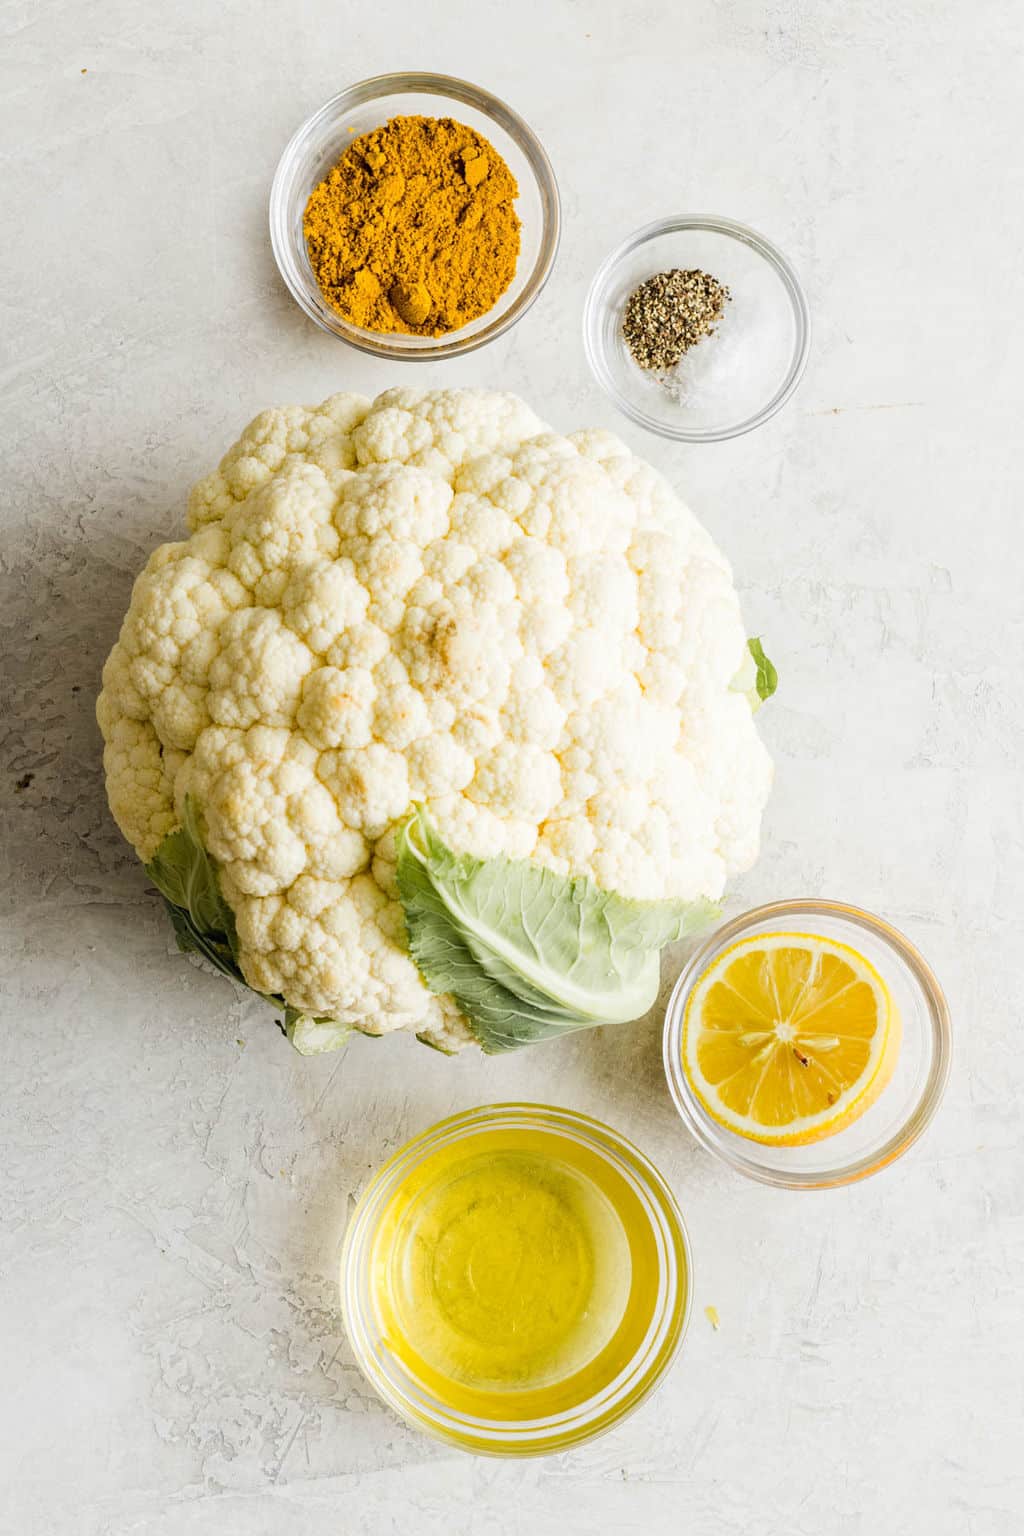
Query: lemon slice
[[789, 1037]]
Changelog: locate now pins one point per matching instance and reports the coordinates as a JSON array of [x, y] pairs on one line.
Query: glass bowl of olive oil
[[516, 1280]]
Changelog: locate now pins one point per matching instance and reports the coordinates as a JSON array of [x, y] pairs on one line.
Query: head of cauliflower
[[429, 598]]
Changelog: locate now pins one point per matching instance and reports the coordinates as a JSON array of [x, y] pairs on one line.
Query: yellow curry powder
[[414, 229]]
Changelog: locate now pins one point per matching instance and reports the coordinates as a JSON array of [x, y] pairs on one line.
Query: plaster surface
[[175, 1180]]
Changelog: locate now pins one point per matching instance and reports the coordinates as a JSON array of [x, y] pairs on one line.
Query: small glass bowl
[[903, 1109], [730, 382], [614, 1399], [323, 139]]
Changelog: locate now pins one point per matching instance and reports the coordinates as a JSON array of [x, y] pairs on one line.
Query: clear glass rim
[[611, 1403], [921, 1114], [714, 224], [289, 258]]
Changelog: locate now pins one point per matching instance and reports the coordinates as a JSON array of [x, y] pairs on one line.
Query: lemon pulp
[[789, 1037], [514, 1273]]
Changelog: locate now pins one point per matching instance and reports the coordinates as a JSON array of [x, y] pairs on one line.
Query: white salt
[[739, 366]]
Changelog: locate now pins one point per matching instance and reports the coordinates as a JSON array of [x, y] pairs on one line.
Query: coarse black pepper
[[669, 313]]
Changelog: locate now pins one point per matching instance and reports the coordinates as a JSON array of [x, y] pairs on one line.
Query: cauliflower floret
[[438, 765], [258, 674], [370, 786], [139, 787], [324, 602], [322, 436], [431, 598], [337, 708], [532, 713], [159, 668], [445, 427], [285, 524], [520, 781]]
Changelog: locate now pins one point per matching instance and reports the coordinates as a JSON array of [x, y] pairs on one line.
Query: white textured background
[[171, 1200]]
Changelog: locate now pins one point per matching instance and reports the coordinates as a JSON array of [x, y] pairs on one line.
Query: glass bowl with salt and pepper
[[697, 328]]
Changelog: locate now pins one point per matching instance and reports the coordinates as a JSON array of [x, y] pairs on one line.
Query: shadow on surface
[[62, 599]]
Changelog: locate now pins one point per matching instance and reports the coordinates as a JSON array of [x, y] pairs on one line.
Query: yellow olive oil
[[514, 1273]]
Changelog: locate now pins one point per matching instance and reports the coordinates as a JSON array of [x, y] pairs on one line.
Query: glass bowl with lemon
[[807, 1044]]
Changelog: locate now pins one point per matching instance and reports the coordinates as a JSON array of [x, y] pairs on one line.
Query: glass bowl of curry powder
[[414, 216]]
